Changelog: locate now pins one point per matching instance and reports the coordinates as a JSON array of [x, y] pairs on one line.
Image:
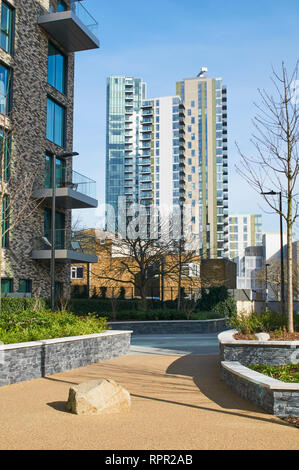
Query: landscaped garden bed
[[263, 369], [37, 342]]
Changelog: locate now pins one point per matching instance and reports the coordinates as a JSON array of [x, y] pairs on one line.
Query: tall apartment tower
[[205, 101], [161, 166], [38, 39], [124, 98], [244, 230]]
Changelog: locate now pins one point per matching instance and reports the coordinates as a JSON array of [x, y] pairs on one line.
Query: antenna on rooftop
[[203, 71]]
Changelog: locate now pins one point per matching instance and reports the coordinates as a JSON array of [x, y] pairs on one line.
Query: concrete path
[[178, 402], [175, 344]]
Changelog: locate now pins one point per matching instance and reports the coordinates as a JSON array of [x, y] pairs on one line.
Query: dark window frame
[[11, 47], [65, 68], [57, 103]]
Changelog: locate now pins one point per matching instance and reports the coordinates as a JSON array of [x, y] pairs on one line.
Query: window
[[56, 68], [25, 286], [6, 286], [7, 28], [5, 222], [55, 122], [5, 90], [60, 172], [5, 147], [77, 272], [59, 228], [57, 6]]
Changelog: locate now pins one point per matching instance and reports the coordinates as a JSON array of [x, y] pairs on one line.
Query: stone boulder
[[98, 397], [262, 336]]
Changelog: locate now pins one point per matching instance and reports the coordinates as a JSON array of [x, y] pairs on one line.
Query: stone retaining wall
[[171, 326], [276, 397], [257, 352], [27, 361]]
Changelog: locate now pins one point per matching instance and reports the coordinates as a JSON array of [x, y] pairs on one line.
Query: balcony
[[75, 29], [73, 191], [75, 247]]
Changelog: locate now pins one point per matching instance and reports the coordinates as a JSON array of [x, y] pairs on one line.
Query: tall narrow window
[[6, 286], [60, 172], [55, 122], [5, 150], [7, 28], [59, 228], [56, 68], [5, 222], [5, 90]]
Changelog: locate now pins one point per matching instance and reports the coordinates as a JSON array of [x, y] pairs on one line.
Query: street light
[[53, 228], [273, 193], [267, 284]]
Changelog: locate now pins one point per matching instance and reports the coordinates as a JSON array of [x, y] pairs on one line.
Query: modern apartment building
[[124, 98], [161, 169], [205, 101], [244, 230], [38, 40]]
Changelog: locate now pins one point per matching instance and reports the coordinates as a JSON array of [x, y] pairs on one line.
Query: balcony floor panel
[[66, 28], [67, 198]]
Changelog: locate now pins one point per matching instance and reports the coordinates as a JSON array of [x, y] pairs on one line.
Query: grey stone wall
[[171, 327], [27, 361], [278, 398], [258, 352]]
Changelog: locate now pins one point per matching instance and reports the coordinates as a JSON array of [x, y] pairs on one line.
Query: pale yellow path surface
[[177, 403]]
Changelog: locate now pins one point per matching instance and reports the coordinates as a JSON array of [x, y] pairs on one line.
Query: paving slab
[[178, 402]]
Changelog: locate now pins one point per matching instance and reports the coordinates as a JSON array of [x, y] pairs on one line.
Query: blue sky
[[167, 40]]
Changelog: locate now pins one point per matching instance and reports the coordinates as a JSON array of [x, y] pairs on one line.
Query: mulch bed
[[285, 336], [292, 421]]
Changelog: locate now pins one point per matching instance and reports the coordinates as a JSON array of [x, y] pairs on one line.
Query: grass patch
[[285, 373], [30, 325]]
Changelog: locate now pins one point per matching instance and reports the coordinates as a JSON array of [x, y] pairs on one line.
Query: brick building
[[93, 279], [38, 40]]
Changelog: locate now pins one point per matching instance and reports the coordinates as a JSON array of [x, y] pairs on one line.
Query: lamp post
[[267, 285], [53, 228], [282, 296]]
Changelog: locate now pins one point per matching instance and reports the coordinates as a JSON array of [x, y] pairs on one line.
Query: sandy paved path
[[177, 403]]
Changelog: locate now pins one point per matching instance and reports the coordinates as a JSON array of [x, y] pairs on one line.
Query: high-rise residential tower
[[244, 230], [124, 97], [161, 166], [205, 101]]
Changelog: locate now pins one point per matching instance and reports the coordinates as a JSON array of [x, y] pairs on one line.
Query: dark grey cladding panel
[[66, 28]]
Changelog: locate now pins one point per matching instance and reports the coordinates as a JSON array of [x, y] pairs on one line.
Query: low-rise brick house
[[38, 39], [108, 277]]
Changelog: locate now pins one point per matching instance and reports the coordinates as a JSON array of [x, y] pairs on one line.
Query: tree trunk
[[290, 269]]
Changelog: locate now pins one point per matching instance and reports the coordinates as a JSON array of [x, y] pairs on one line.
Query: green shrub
[[256, 323], [30, 325], [12, 304], [285, 373], [227, 308], [212, 296]]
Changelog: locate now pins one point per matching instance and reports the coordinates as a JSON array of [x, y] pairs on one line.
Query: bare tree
[[16, 186], [275, 166]]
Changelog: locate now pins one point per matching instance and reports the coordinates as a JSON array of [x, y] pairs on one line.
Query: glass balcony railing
[[71, 25], [73, 180], [67, 239], [85, 17]]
